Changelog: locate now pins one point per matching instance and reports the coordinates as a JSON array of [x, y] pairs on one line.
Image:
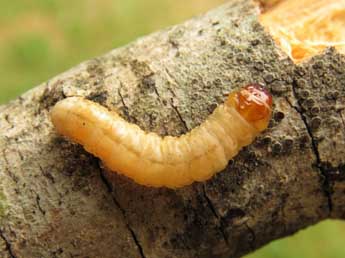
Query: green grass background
[[41, 38]]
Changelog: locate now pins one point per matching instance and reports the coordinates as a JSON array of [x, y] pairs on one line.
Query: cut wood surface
[[305, 28], [57, 200]]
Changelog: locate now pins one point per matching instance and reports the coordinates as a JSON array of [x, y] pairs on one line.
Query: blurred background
[[42, 38]]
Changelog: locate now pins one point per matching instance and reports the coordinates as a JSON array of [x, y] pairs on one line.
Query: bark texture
[[56, 200]]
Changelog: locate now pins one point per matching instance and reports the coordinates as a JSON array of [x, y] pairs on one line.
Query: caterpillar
[[153, 160]]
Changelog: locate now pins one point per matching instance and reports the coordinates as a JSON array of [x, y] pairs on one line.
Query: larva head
[[254, 103]]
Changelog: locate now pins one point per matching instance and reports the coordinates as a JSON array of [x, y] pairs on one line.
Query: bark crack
[[123, 212], [326, 181], [253, 236], [7, 168], [47, 175], [215, 214], [122, 99], [8, 245], [125, 107], [38, 202], [156, 92], [179, 116], [184, 123]]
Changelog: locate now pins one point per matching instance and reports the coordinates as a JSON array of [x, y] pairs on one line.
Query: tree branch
[[55, 201]]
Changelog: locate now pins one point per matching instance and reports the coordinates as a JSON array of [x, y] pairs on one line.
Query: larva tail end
[[254, 103], [60, 115]]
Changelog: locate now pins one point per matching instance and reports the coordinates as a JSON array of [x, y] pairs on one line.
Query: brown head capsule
[[254, 103]]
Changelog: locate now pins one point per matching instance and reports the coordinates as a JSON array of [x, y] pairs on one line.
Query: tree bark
[[56, 200]]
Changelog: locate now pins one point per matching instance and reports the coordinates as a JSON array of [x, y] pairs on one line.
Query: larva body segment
[[167, 161], [243, 132]]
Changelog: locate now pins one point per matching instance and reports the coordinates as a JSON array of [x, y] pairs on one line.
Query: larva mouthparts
[[152, 160]]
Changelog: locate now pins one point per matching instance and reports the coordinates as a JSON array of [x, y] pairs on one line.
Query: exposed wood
[[306, 28]]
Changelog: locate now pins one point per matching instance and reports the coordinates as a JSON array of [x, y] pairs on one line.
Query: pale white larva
[[152, 160]]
